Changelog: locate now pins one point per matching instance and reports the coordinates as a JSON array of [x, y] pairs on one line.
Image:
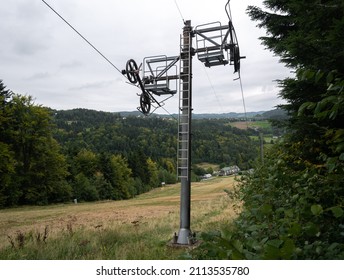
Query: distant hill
[[232, 115], [275, 114]]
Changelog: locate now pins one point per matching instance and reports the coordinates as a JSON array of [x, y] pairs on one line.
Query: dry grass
[[157, 210]]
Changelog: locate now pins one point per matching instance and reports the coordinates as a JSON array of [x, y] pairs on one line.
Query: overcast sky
[[42, 57]]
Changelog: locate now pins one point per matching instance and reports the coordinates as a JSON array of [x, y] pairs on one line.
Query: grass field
[[138, 228], [206, 165]]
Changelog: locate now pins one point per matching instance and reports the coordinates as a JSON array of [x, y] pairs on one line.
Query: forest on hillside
[[214, 141], [51, 156]]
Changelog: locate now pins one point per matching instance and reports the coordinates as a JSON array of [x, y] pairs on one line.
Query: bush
[[292, 210]]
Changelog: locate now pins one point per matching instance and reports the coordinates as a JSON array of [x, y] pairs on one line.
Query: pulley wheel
[[236, 59], [145, 103], [132, 71]]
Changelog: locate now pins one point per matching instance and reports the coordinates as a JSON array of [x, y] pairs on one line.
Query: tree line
[[32, 168], [293, 204], [50, 156]]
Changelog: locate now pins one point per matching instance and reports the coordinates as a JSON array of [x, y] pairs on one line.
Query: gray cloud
[[39, 76], [40, 55], [71, 64], [94, 85]]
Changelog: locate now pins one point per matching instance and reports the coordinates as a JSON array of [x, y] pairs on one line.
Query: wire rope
[[87, 41], [169, 113], [243, 100], [213, 88], [180, 12]]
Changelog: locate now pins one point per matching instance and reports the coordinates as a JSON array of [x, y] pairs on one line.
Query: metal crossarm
[[157, 73], [211, 45]]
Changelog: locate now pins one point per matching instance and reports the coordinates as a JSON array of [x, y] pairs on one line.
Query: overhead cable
[[213, 88], [180, 12], [88, 42], [243, 100]]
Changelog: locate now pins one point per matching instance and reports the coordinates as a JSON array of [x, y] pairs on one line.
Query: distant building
[[231, 170], [206, 176]]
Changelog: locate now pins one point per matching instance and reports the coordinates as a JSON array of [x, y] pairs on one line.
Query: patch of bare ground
[[242, 125]]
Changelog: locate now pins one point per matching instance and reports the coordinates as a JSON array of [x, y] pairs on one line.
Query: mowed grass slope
[[138, 228]]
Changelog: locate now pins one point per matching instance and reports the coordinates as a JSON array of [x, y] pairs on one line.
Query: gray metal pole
[[185, 129]]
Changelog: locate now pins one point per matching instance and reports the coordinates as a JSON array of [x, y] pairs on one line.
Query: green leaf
[[318, 76], [339, 135], [255, 245], [238, 246], [331, 164], [287, 249], [275, 243], [266, 209], [311, 229], [334, 112], [341, 157], [340, 148], [337, 211], [330, 77], [330, 100], [333, 246], [271, 253], [253, 228], [295, 229], [272, 249], [307, 74], [317, 209], [226, 234], [306, 106]]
